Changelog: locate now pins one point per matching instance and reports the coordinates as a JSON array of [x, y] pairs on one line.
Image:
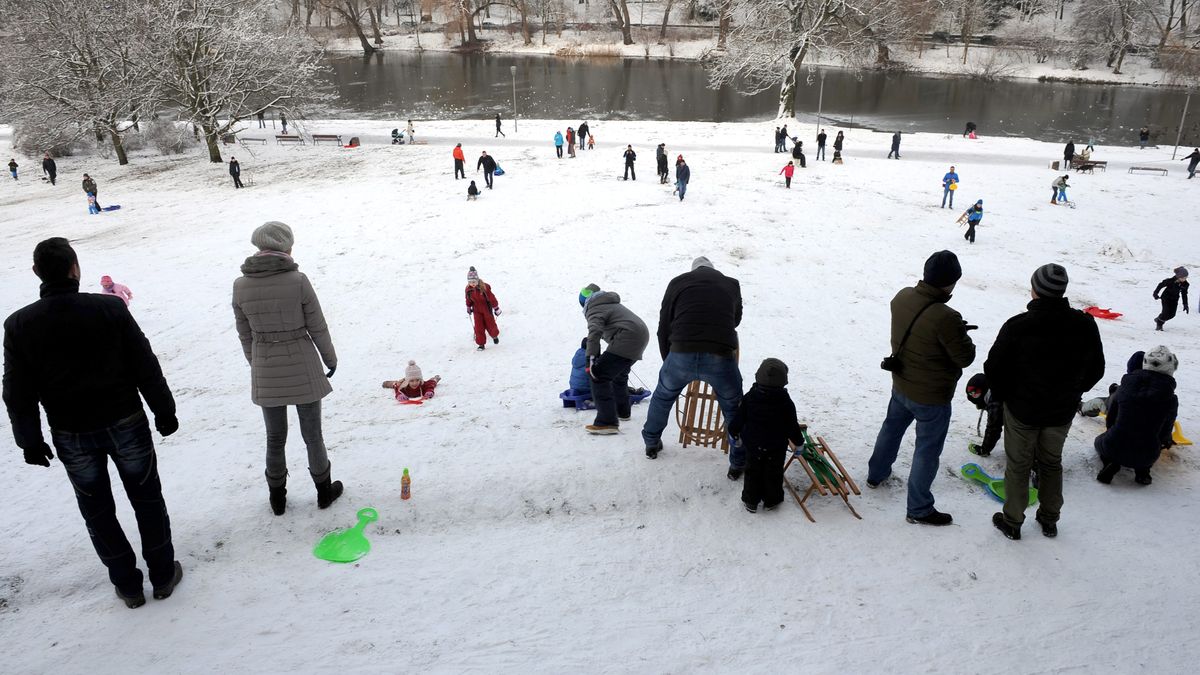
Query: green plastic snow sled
[[347, 545], [994, 486]]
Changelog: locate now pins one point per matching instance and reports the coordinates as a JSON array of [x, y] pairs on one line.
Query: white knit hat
[[413, 371], [1160, 360]]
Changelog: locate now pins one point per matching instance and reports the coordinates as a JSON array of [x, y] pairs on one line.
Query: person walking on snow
[[499, 131], [109, 287], [12, 168], [1143, 137], [1170, 291], [488, 164], [581, 134], [558, 143], [1068, 154], [1192, 160], [1041, 364], [787, 172], [661, 157], [90, 189], [412, 138], [821, 145], [973, 216], [895, 146], [627, 337], [482, 307], [49, 167], [949, 185], [683, 174], [1058, 190], [85, 360], [235, 170], [630, 157], [460, 161]]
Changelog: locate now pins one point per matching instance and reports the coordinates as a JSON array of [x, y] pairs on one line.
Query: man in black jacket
[[489, 167], [49, 167], [630, 157], [697, 338], [821, 145], [235, 170], [84, 358], [1042, 362]]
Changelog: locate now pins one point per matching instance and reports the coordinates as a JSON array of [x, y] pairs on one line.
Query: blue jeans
[[85, 457], [679, 370], [681, 187], [947, 191], [820, 152], [933, 421]]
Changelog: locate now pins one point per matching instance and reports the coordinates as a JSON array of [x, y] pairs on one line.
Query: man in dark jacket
[[1192, 160], [895, 146], [930, 361], [627, 337], [49, 167], [630, 157], [89, 188], [821, 137], [582, 133], [661, 157], [488, 164], [1140, 418], [1170, 291], [1042, 362], [84, 358], [1068, 154], [235, 170], [683, 174], [697, 338]]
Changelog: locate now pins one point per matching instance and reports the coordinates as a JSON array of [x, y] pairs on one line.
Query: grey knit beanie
[[1160, 360], [772, 373], [273, 236], [701, 262], [1049, 281], [1181, 272]]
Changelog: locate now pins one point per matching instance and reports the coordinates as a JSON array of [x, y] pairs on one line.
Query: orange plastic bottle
[[405, 485]]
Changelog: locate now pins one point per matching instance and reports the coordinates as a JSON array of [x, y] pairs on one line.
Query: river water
[[441, 85]]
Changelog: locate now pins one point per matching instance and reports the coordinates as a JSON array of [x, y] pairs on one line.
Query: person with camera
[[930, 348]]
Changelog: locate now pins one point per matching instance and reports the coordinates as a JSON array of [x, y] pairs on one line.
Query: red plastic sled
[[411, 401], [1104, 313]]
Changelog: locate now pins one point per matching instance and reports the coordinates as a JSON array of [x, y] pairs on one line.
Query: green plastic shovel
[[347, 545], [994, 486]]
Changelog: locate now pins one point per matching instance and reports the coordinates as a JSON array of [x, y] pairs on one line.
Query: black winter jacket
[[1043, 360], [1172, 290], [487, 162], [766, 420], [49, 166], [700, 313], [1140, 419], [630, 156], [235, 169], [84, 358]]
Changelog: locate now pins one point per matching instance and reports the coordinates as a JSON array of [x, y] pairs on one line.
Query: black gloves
[[166, 424], [40, 455], [331, 372]]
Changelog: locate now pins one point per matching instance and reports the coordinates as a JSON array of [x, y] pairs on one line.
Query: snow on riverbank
[[531, 547]]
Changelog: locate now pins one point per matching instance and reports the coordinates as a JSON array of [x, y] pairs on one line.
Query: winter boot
[[1049, 529], [495, 340], [163, 592], [602, 429], [1106, 474], [479, 348], [653, 450], [1142, 477], [752, 508], [934, 517], [131, 601], [977, 449], [278, 500], [734, 474], [327, 493], [1010, 531], [1158, 324]]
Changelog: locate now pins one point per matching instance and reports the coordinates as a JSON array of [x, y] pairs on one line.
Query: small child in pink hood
[[413, 386], [107, 287]]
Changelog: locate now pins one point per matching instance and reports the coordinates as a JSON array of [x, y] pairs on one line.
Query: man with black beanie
[[85, 360], [930, 347], [1042, 362]]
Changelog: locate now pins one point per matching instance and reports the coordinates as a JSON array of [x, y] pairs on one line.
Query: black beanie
[[942, 269], [772, 373]]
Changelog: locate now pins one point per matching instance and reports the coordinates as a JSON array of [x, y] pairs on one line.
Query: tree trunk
[[469, 19], [351, 18], [723, 26], [883, 55], [787, 89], [966, 38], [523, 8], [119, 147], [662, 34], [210, 139], [375, 19], [621, 9]]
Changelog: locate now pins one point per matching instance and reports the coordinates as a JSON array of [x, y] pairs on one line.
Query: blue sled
[[583, 401]]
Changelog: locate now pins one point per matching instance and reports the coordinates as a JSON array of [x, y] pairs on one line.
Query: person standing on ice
[[1068, 154], [1169, 291], [683, 174], [951, 178], [85, 360], [482, 307], [698, 340], [930, 347], [235, 171], [973, 216], [1041, 364], [460, 160], [12, 168], [821, 145], [1192, 160], [499, 131], [285, 339], [661, 157], [558, 143], [109, 287], [49, 167], [627, 337], [1143, 137], [788, 171], [630, 158], [488, 164], [895, 146]]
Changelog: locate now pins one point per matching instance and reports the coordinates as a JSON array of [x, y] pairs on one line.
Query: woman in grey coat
[[285, 339]]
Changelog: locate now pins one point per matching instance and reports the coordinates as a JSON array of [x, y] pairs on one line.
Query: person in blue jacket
[[951, 178], [558, 143], [1140, 418], [973, 216], [580, 382]]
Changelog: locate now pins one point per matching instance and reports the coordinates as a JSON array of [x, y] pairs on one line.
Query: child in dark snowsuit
[[580, 381], [979, 393], [472, 192], [1100, 404], [764, 423], [1169, 291], [1140, 418], [483, 307]]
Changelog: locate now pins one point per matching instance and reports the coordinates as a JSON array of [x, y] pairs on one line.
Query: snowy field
[[529, 546]]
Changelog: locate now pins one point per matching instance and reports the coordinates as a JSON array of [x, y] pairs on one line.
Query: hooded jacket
[[765, 420], [609, 320], [1139, 420]]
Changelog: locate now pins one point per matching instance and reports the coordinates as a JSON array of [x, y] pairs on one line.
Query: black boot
[[1010, 531], [327, 493], [1142, 477], [1106, 474], [278, 500]]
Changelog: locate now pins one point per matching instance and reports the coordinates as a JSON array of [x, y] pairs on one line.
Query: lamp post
[[820, 100], [1182, 117], [513, 71]]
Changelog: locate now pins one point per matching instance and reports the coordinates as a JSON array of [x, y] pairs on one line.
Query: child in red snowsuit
[[482, 305], [413, 386]]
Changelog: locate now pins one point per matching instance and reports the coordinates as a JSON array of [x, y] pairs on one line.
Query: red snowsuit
[[482, 304], [404, 393]]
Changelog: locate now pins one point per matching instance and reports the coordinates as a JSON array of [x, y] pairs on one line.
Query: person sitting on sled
[[472, 192], [413, 386], [1093, 407], [580, 381]]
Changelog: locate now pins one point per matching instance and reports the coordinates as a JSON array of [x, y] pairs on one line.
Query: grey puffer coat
[[609, 320], [282, 329]]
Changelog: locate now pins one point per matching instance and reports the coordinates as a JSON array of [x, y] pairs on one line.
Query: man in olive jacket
[[627, 337], [930, 362], [1042, 362]]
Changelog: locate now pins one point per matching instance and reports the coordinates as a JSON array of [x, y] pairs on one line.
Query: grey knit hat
[[1181, 272], [1160, 360], [1049, 281], [772, 373], [702, 262], [273, 236]]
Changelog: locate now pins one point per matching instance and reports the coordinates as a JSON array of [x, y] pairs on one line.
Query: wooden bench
[[280, 139], [1089, 166], [228, 139], [246, 139], [332, 138], [1157, 169]]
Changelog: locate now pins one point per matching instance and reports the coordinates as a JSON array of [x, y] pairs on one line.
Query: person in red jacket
[[413, 386], [460, 159], [482, 305], [788, 171]]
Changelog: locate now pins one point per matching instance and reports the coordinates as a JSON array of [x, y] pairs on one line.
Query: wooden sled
[[699, 418], [826, 475]]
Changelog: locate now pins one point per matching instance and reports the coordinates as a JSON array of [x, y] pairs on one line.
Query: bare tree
[[351, 12], [723, 25], [620, 10], [662, 34]]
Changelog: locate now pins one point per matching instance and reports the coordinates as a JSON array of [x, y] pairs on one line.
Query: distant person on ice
[[460, 161], [973, 216], [558, 143], [949, 180], [1143, 137], [414, 386], [895, 146], [49, 167], [110, 287], [630, 157], [627, 336], [235, 170], [488, 164], [683, 174], [1140, 418], [12, 168], [783, 138], [970, 129], [762, 426], [1170, 291], [85, 360], [778, 136], [472, 192], [1192, 160], [499, 131], [788, 171], [412, 138], [821, 145], [482, 307]]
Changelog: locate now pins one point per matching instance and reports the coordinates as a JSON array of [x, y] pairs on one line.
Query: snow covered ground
[[529, 546]]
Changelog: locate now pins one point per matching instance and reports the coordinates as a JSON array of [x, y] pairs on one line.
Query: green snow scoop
[[993, 486], [347, 545]]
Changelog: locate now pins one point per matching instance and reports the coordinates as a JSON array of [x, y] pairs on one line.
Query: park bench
[[332, 138], [1088, 166], [228, 139], [280, 139], [1157, 169], [247, 139]]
